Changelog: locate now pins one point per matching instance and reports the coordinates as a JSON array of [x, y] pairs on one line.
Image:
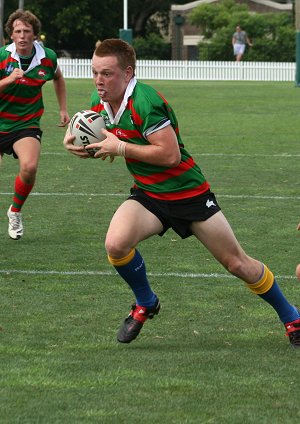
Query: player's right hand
[[75, 150], [16, 74]]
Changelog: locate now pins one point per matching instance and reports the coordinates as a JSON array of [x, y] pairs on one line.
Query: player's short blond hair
[[121, 49]]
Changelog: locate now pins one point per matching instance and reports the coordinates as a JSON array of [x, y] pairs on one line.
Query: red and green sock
[[21, 193]]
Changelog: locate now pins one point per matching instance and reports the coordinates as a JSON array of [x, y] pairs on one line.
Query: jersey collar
[[36, 60], [129, 90]]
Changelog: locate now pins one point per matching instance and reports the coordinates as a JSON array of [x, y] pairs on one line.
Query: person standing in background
[[239, 41]]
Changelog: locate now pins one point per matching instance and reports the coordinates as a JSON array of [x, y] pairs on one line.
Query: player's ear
[[129, 72]]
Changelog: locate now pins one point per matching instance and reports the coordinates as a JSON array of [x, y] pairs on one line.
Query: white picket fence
[[192, 70]]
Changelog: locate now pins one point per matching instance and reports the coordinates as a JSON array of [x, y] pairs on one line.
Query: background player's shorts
[[7, 140], [179, 214], [239, 49]]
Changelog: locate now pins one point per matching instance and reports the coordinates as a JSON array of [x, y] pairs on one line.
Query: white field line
[[228, 196], [279, 155], [256, 155], [111, 273], [170, 274]]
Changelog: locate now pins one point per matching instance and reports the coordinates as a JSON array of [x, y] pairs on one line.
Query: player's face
[[111, 81], [23, 36]]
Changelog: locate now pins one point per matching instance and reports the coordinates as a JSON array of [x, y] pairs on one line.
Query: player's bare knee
[[28, 171], [116, 249]]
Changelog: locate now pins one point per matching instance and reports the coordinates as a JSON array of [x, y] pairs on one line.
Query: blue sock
[[134, 273], [286, 311]]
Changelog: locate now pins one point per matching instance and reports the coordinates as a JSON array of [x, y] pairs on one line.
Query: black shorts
[[178, 214], [7, 140]]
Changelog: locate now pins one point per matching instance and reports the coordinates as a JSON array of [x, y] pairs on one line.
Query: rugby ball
[[86, 126]]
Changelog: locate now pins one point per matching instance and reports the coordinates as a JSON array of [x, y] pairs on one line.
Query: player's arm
[[248, 41], [16, 74], [298, 226], [163, 149], [61, 94]]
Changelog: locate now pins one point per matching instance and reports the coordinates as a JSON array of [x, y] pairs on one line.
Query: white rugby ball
[[86, 125]]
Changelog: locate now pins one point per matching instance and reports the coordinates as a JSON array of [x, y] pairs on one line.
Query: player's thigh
[[217, 236], [28, 151], [130, 224]]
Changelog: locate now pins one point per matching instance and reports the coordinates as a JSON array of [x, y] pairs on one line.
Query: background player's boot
[[15, 225]]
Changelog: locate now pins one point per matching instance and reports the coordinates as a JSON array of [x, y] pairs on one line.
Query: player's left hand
[[106, 148]]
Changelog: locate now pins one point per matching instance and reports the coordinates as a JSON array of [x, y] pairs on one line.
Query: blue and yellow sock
[[133, 270], [267, 288]]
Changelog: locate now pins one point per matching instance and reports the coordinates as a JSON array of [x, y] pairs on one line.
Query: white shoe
[[15, 226]]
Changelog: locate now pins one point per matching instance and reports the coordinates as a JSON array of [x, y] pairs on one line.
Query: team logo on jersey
[[42, 72], [9, 68], [106, 120]]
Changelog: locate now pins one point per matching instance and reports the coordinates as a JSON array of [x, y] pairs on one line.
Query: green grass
[[216, 353]]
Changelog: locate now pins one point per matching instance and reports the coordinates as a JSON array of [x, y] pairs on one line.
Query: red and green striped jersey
[[146, 110], [21, 103]]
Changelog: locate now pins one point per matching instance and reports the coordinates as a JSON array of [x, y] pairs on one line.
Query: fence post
[[297, 22]]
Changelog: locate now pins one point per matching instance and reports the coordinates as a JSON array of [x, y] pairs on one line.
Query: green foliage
[[211, 17], [78, 24], [152, 47], [272, 34], [142, 11]]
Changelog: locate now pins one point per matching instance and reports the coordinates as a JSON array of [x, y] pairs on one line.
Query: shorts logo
[[210, 203]]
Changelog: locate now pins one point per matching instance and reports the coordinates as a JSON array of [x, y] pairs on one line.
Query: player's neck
[[26, 52], [115, 107]]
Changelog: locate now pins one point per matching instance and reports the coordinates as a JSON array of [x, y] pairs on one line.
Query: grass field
[[216, 353]]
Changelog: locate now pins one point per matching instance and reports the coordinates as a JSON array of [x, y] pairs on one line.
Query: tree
[[141, 11], [78, 24], [75, 25], [152, 47], [272, 34]]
